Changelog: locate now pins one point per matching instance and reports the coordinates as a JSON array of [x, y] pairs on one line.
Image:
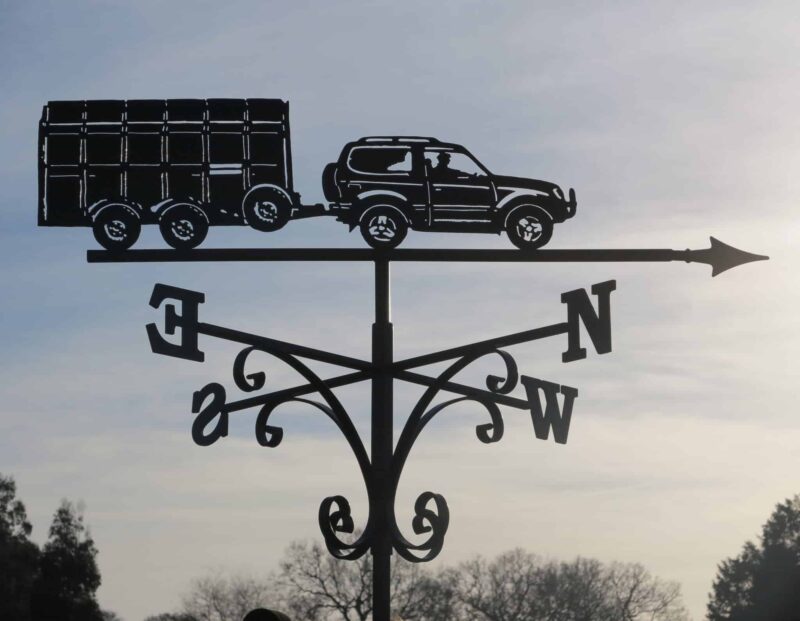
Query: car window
[[452, 165], [380, 160]]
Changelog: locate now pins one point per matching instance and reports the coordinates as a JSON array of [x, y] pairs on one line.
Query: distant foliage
[[64, 589], [762, 583], [514, 586], [19, 557], [218, 598], [315, 586], [172, 616], [519, 586]]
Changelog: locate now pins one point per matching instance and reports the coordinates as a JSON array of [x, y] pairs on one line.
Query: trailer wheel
[[267, 209], [117, 227], [183, 226]]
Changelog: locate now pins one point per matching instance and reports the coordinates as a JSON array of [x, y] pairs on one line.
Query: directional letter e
[[597, 324], [186, 321]]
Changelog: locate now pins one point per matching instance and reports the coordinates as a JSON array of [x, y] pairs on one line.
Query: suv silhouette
[[386, 185]]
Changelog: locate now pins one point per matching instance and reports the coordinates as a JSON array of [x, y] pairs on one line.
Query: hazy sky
[[673, 120]]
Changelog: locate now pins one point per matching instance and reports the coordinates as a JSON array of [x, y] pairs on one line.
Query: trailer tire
[[117, 227], [183, 226], [267, 209]]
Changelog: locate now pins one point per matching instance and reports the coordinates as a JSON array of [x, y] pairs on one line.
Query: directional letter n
[[549, 416], [597, 324]]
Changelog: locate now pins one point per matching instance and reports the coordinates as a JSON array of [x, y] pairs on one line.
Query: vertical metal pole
[[382, 442]]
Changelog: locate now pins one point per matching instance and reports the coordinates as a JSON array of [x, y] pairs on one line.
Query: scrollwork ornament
[[335, 517]]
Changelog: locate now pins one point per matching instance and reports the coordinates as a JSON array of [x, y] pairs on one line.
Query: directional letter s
[[551, 415], [597, 324]]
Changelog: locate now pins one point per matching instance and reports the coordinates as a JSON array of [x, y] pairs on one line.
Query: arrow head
[[722, 257]]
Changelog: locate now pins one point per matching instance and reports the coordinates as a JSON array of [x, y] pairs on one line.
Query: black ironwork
[[720, 256], [188, 164], [550, 405]]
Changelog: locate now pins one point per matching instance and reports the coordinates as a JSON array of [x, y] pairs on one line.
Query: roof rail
[[398, 139]]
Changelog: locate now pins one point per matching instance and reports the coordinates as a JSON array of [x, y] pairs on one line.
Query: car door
[[461, 190]]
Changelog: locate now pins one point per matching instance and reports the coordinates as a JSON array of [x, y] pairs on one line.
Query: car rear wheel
[[528, 227], [383, 227], [183, 226], [267, 209], [117, 227]]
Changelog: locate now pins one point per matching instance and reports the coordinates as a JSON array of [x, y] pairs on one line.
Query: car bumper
[[571, 203]]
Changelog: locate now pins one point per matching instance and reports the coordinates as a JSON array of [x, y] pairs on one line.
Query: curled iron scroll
[[434, 521], [334, 512]]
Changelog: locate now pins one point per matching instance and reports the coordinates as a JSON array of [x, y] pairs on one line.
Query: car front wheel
[[383, 227], [528, 227]]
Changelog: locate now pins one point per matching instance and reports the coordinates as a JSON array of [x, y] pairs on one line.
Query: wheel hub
[[382, 228], [183, 229], [266, 211], [116, 230], [529, 228]]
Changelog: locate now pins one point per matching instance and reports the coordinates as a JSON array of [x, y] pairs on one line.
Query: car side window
[[452, 166], [380, 160]]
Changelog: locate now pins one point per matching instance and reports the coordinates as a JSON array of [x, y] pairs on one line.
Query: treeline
[[56, 582], [310, 585], [59, 580]]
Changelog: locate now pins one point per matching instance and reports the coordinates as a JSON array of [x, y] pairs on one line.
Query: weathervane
[[189, 164]]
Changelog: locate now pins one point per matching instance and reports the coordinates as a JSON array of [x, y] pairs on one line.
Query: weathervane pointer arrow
[[721, 257]]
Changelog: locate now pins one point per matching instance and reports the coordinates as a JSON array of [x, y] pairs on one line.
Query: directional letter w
[[551, 415], [597, 324]]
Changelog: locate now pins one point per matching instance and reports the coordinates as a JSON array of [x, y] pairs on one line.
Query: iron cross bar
[[578, 304], [720, 256]]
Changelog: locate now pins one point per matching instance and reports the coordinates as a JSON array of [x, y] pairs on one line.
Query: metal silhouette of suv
[[386, 185]]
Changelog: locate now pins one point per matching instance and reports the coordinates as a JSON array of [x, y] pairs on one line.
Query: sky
[[673, 121]]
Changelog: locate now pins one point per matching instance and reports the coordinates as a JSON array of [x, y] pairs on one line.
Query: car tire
[[267, 209], [383, 227], [184, 226], [117, 227], [528, 227]]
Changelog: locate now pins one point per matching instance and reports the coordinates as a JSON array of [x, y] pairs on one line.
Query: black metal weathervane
[[186, 165]]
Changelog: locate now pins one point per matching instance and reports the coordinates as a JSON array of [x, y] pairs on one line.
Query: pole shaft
[[382, 442]]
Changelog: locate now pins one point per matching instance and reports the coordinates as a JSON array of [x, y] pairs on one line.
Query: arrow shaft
[[406, 255]]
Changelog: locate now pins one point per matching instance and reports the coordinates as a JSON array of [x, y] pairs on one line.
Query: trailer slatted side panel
[[145, 152]]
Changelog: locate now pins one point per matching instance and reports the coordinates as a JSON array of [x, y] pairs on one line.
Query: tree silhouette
[[763, 582], [514, 586], [18, 555], [68, 575], [318, 587], [519, 586]]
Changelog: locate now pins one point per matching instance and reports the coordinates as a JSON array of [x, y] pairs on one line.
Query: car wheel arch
[[506, 213], [375, 203]]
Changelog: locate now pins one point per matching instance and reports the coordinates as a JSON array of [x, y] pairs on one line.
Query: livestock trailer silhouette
[[184, 164]]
